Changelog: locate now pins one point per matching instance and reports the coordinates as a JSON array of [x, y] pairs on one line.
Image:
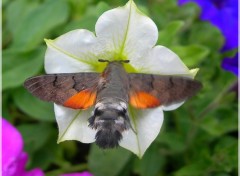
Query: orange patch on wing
[[81, 100], [143, 100]]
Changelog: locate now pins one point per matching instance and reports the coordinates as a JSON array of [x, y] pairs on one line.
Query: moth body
[[111, 92], [110, 116]]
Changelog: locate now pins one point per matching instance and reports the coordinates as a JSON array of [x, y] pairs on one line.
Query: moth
[[110, 92]]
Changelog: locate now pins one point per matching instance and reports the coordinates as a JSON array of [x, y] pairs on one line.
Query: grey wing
[[59, 88], [166, 89]]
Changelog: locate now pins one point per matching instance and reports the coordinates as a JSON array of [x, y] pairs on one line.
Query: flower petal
[[35, 172], [172, 106], [231, 64], [147, 125], [163, 61], [126, 32], [21, 164], [71, 52], [73, 124], [13, 158], [11, 149]]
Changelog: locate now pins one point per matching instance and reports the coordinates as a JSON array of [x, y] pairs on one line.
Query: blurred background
[[197, 139]]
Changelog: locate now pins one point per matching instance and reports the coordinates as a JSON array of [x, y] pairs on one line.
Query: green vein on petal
[[60, 137], [51, 43], [126, 32], [137, 9], [131, 112]]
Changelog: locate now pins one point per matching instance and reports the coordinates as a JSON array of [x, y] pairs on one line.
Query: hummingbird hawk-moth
[[110, 92]]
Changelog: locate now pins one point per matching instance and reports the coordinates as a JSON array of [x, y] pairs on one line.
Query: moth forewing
[[111, 92], [59, 88], [155, 90]]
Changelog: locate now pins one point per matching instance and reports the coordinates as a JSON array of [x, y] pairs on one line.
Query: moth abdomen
[[110, 120], [106, 138]]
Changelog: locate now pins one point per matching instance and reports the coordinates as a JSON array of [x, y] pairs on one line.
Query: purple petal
[[224, 15], [231, 64], [34, 172], [228, 24], [78, 174], [13, 158], [22, 161], [12, 145]]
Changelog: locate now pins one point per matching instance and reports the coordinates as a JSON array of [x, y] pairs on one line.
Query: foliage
[[199, 138]]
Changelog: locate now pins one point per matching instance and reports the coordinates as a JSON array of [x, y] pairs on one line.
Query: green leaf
[[164, 12], [98, 9], [17, 11], [32, 106], [196, 169], [4, 2], [110, 162], [5, 105], [225, 156], [207, 35], [167, 36], [191, 55], [88, 20], [35, 136], [47, 155], [213, 125], [78, 8], [151, 163], [174, 141], [18, 66], [37, 24]]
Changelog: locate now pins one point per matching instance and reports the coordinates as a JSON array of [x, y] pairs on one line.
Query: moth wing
[[149, 91], [73, 90]]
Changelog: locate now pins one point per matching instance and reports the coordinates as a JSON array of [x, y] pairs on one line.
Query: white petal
[[161, 60], [172, 106], [147, 124], [73, 124], [74, 51], [126, 32]]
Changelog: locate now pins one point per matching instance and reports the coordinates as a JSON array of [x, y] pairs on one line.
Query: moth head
[[109, 122]]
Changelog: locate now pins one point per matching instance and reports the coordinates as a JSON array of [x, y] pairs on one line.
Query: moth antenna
[[103, 60], [125, 61]]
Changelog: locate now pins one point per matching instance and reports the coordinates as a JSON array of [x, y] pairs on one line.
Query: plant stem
[[211, 106]]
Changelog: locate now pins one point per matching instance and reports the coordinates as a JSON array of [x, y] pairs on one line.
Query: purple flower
[[78, 174], [231, 64], [224, 15], [13, 158]]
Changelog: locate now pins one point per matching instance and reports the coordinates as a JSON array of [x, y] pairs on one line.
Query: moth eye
[[122, 112], [98, 112]]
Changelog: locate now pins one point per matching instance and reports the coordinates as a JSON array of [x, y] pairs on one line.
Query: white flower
[[121, 33]]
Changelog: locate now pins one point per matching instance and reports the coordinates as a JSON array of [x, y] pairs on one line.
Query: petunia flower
[[121, 33], [231, 64], [224, 15], [14, 159], [220, 13]]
